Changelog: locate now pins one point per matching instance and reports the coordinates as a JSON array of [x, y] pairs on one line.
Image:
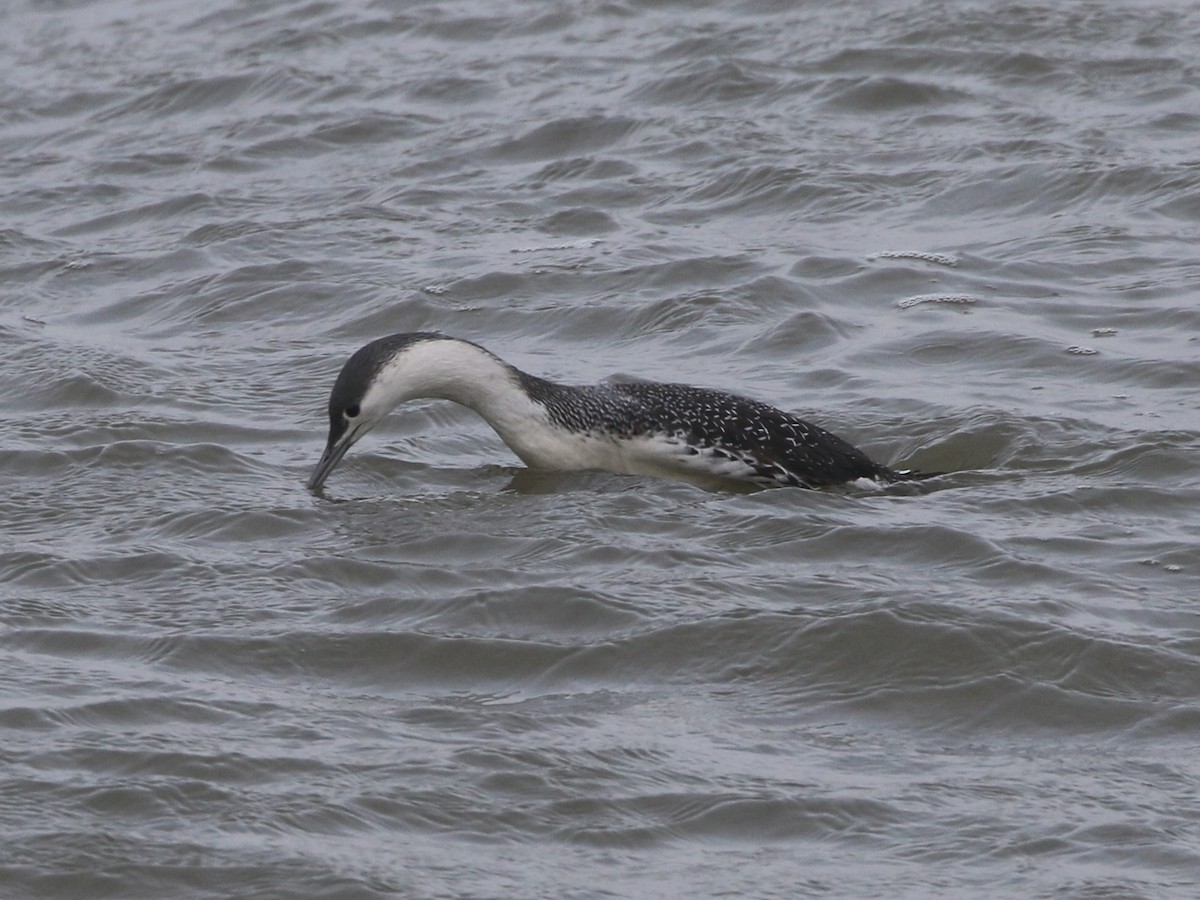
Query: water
[[961, 235]]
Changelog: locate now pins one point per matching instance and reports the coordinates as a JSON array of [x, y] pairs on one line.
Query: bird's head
[[398, 368], [371, 384]]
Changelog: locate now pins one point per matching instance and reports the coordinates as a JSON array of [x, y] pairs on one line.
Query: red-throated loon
[[641, 428]]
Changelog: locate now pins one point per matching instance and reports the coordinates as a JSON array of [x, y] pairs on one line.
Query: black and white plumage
[[641, 428]]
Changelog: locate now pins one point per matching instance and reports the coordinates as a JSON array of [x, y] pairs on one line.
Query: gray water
[[962, 235]]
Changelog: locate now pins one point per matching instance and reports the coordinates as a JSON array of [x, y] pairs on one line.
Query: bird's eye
[[352, 411]]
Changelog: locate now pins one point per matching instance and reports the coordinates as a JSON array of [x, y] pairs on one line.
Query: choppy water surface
[[962, 235]]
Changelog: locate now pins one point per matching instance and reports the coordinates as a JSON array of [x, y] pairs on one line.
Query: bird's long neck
[[456, 370]]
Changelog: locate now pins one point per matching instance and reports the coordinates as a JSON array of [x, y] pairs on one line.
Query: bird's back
[[776, 447]]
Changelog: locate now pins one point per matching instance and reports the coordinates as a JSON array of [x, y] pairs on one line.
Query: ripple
[[565, 137], [708, 82], [887, 94]]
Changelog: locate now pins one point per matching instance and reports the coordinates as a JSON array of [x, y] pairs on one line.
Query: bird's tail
[[892, 476]]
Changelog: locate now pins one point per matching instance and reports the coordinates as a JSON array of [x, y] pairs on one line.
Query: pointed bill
[[335, 449]]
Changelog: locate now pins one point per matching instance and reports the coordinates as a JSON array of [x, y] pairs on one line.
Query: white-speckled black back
[[777, 447]]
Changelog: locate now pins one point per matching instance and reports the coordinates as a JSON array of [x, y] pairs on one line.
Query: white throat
[[449, 369]]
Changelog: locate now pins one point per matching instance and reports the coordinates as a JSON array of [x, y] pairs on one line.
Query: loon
[[693, 434]]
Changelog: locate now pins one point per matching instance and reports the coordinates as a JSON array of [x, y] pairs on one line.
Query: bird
[[707, 437]]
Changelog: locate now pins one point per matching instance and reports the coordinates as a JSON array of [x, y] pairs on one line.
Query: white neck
[[445, 369], [449, 369]]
